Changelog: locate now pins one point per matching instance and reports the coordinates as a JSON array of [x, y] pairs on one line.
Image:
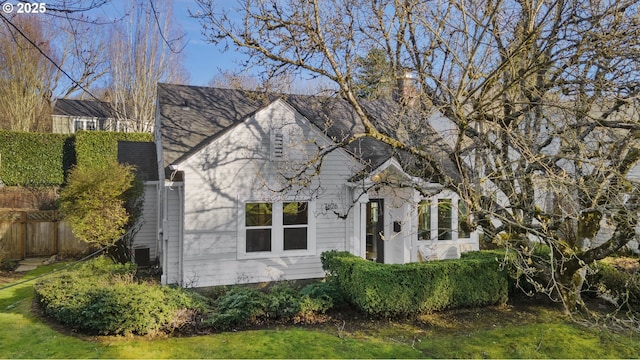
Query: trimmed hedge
[[393, 290], [42, 159], [34, 159], [97, 147], [101, 297]]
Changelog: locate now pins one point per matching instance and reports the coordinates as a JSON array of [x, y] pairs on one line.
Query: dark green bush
[[400, 290], [316, 299], [98, 147], [325, 294], [239, 306], [283, 301], [101, 297], [242, 306]]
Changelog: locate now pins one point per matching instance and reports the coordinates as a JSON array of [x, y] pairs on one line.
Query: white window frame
[[455, 231], [277, 231], [85, 122]]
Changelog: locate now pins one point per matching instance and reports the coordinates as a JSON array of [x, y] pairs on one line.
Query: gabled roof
[[191, 116], [82, 108]]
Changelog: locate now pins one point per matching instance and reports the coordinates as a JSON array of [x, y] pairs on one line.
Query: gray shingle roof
[[191, 116], [142, 155], [82, 108]]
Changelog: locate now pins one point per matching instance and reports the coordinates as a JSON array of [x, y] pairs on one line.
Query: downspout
[[164, 237], [180, 234]]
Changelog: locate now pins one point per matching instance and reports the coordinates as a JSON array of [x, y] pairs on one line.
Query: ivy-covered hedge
[[393, 290], [97, 147], [34, 159], [43, 159]]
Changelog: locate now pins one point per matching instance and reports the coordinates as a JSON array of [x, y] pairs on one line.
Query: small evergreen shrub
[[393, 290], [242, 306], [239, 306], [283, 302], [100, 201], [101, 297], [326, 293], [316, 300]]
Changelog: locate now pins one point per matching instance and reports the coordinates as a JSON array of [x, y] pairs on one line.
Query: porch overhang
[[391, 173]]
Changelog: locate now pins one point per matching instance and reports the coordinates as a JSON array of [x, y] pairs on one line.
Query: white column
[[360, 224]]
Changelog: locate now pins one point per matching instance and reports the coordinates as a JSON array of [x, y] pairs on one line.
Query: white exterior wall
[[147, 236], [238, 167], [171, 256]]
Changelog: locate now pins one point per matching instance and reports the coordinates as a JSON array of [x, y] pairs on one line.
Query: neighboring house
[[256, 187], [71, 115], [142, 155]]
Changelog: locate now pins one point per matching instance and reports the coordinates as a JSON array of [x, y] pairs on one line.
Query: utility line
[[4, 18]]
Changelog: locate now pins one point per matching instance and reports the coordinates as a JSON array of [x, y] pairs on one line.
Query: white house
[[71, 115], [256, 187]]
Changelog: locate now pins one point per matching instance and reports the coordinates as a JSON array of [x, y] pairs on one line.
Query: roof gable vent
[[277, 144]]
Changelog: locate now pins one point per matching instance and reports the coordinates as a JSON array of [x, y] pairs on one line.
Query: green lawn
[[507, 332]]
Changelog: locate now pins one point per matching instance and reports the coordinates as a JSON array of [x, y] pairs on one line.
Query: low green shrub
[[316, 299], [326, 293], [620, 285], [239, 306], [100, 297], [393, 290], [283, 301], [242, 306]]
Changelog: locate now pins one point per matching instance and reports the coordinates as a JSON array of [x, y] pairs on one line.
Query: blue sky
[[202, 59]]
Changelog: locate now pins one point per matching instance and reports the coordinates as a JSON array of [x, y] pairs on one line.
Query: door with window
[[375, 230]]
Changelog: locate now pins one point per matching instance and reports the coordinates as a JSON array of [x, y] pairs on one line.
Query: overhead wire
[[46, 56]]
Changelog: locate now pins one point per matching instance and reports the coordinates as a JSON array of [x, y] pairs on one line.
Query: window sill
[[271, 254]]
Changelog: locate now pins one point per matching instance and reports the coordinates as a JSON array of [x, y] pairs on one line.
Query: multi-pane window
[[295, 223], [276, 227], [258, 220], [444, 219], [424, 220], [84, 125]]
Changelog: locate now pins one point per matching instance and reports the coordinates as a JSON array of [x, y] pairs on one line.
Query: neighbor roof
[[191, 116], [142, 155], [82, 108]]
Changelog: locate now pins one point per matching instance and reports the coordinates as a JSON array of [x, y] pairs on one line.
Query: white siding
[[147, 236], [172, 228], [238, 167]]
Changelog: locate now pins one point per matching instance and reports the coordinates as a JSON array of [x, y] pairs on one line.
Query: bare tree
[[45, 55], [144, 50], [540, 99], [25, 76]]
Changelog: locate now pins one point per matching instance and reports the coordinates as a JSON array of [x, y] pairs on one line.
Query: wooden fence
[[34, 233], [20, 198]]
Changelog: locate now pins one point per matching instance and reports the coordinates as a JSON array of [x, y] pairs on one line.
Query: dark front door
[[375, 230]]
